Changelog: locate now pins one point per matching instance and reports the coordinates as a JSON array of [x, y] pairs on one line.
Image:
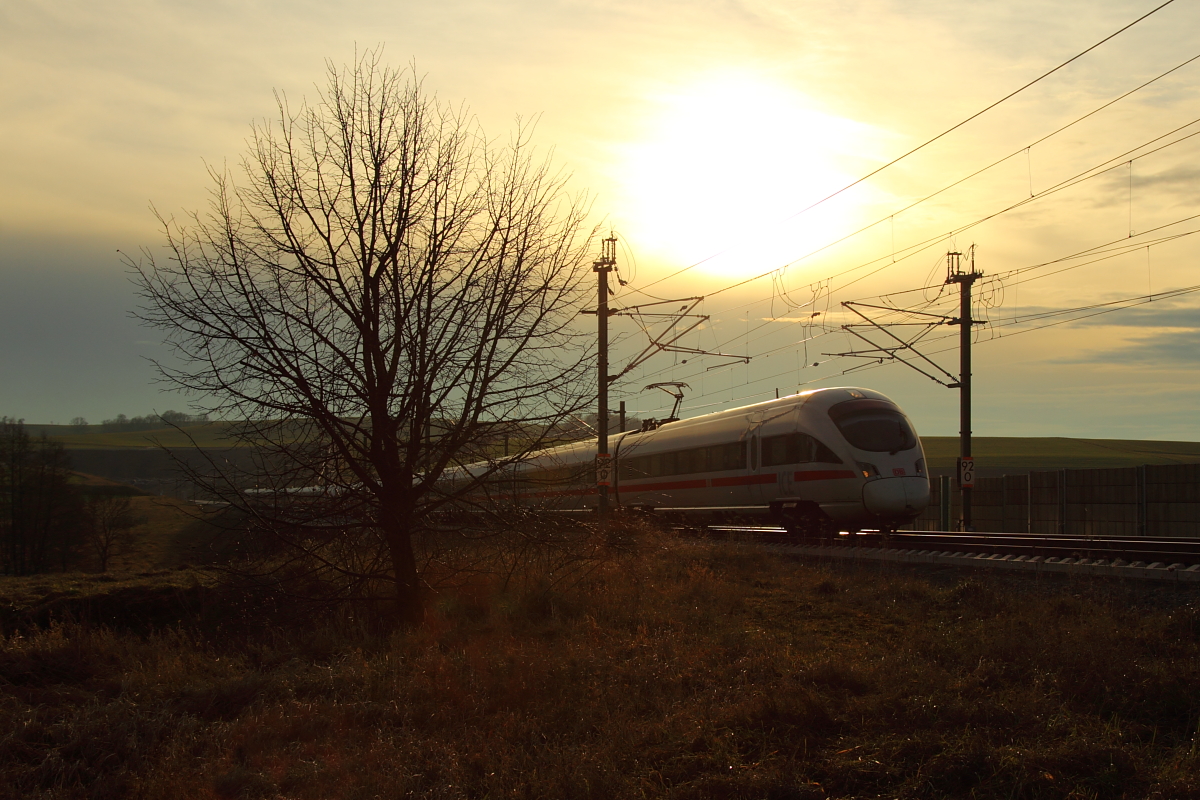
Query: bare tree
[[39, 508], [108, 526], [380, 298]]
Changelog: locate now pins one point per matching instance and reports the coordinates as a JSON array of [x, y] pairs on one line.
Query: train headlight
[[868, 470], [920, 466]]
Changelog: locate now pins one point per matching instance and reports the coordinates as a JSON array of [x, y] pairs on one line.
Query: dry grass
[[694, 671], [170, 533], [155, 581]]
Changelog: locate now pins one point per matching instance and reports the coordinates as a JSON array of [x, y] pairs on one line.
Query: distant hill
[[136, 457], [89, 437], [995, 455]]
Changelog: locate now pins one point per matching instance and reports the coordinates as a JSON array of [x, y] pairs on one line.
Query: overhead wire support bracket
[[666, 341], [942, 318], [891, 351]]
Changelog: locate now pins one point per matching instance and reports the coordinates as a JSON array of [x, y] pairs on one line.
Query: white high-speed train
[[821, 460]]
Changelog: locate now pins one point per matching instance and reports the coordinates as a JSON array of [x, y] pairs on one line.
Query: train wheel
[[885, 537], [804, 521]]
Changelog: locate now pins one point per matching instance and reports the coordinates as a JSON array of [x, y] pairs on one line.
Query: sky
[[702, 131]]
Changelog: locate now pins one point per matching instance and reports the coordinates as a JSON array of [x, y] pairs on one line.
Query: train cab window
[[795, 448], [873, 425]]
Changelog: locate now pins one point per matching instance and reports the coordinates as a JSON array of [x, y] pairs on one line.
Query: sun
[[725, 166]]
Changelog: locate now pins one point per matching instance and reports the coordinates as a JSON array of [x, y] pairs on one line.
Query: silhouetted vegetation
[[379, 267], [149, 422], [108, 521], [52, 518], [40, 512]]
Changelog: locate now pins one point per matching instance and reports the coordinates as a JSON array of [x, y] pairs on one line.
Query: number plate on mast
[[604, 469], [966, 472]]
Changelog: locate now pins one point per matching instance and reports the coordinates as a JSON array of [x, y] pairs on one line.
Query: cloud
[[1160, 314], [1187, 318], [1163, 334], [1178, 183], [1177, 350], [1185, 180]]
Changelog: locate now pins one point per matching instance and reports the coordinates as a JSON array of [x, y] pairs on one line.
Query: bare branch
[[379, 289]]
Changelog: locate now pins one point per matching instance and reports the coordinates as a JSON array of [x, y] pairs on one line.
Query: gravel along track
[[1154, 558]]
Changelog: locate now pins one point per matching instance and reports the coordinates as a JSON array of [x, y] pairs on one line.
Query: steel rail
[[1168, 549]]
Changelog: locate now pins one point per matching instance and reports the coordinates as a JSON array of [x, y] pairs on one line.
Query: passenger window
[[715, 458], [796, 448], [725, 457]]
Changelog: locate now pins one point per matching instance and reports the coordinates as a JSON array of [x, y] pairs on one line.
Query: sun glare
[[724, 168]]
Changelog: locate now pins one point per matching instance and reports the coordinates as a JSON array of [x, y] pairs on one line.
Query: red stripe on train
[[657, 487], [563, 493], [746, 480], [823, 475]]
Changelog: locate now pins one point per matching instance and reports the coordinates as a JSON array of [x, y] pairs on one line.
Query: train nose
[[888, 496]]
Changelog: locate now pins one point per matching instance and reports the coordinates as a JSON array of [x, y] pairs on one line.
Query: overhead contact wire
[[941, 135]]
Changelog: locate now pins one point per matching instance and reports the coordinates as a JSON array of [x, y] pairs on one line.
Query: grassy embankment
[[690, 671]]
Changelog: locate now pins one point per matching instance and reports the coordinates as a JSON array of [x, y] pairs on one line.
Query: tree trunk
[[382, 272], [410, 606]]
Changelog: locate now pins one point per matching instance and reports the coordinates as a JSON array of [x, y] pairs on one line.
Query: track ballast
[[1149, 557]]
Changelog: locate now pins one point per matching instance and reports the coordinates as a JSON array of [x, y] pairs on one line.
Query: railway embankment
[[1119, 568]]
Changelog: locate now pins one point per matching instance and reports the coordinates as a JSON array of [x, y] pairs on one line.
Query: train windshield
[[873, 425]]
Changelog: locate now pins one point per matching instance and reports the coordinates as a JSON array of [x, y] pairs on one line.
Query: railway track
[[1175, 558]]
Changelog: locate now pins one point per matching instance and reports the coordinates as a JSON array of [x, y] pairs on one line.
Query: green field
[[1021, 454], [208, 434]]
